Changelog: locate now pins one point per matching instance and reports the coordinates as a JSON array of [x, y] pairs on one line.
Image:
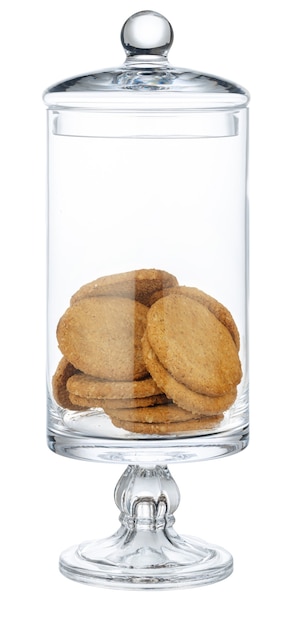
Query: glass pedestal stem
[[146, 552]]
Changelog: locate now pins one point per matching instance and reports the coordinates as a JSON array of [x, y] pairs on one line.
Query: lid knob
[[147, 33]]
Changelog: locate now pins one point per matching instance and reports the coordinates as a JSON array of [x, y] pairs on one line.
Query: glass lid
[[146, 78]]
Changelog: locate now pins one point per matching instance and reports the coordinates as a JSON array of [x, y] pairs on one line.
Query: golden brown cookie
[[132, 403], [157, 414], [184, 397], [137, 284], [161, 428], [102, 337], [63, 372], [84, 403], [218, 309], [91, 387], [118, 403], [193, 345]]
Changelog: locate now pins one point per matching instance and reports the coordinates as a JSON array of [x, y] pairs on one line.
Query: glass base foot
[[182, 562], [146, 552]]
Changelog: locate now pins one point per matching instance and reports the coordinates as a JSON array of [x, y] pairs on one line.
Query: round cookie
[[136, 284], [102, 337], [134, 403], [63, 372], [193, 345], [161, 428], [157, 414], [180, 394], [218, 309], [90, 387], [118, 403]]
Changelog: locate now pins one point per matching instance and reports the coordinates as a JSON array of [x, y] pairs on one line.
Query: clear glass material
[[132, 202], [146, 552], [147, 274]]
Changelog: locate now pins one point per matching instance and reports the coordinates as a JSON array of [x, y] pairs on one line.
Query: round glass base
[[229, 438], [146, 552], [168, 561]]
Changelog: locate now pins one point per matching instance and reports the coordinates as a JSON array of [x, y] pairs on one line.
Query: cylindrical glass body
[[163, 189]]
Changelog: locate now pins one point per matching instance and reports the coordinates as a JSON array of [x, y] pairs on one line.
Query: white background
[[243, 502]]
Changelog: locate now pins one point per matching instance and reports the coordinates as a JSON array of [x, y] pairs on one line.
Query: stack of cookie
[[157, 357]]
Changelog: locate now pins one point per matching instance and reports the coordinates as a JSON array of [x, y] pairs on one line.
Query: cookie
[[218, 309], [63, 372], [161, 428], [132, 403], [102, 337], [157, 414], [193, 345], [137, 284], [180, 394], [91, 387], [118, 403]]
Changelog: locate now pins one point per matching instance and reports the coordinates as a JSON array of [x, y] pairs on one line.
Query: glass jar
[[147, 258], [147, 171]]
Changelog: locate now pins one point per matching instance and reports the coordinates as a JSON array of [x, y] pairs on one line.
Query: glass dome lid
[[146, 79]]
